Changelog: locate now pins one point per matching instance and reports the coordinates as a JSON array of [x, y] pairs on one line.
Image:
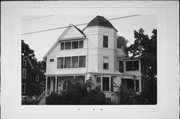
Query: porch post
[[101, 83], [140, 85], [55, 83], [46, 85]]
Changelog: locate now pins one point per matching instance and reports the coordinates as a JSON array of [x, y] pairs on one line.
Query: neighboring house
[[33, 81], [92, 53]]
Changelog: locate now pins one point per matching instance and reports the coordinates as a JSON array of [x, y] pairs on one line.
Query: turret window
[[105, 41]]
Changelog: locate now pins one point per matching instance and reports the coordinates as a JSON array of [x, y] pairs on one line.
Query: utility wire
[[37, 18], [79, 24]]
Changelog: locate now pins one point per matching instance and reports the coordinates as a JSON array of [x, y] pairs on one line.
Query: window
[[71, 62], [105, 83], [132, 65], [82, 61], [67, 45], [23, 88], [37, 77], [24, 63], [60, 62], [51, 60], [105, 41], [24, 73], [80, 44], [75, 62], [75, 45], [62, 46], [137, 85], [121, 66], [67, 62], [105, 63]]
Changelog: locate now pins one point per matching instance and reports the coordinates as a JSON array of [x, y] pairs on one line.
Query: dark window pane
[[136, 65], [51, 60], [62, 46], [75, 45], [105, 84], [67, 62], [82, 61], [67, 45], [105, 66], [121, 66], [60, 62], [129, 66], [75, 62], [105, 41], [80, 44], [137, 85]]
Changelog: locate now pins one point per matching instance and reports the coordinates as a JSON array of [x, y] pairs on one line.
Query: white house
[[91, 53]]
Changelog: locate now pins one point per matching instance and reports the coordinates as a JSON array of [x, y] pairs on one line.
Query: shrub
[[77, 94]]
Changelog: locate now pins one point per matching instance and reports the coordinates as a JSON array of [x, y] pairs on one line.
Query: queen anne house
[[92, 53]]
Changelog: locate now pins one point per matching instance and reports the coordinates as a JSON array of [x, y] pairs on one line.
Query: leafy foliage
[[77, 94]]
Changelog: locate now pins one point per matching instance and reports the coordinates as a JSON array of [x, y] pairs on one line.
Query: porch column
[[134, 81], [46, 85], [55, 83], [140, 85], [101, 83], [109, 83]]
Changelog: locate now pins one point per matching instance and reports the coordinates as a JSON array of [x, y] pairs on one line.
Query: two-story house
[[33, 81], [92, 53]]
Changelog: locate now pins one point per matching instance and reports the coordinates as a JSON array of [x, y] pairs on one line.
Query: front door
[[105, 83]]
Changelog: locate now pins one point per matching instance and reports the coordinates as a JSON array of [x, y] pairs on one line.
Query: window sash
[[105, 41], [80, 44], [75, 62], [75, 45], [60, 62], [67, 45], [82, 61], [67, 62]]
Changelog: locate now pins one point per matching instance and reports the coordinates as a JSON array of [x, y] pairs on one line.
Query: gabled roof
[[71, 32], [100, 21]]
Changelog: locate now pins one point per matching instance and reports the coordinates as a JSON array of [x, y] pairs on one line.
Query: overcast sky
[[42, 42]]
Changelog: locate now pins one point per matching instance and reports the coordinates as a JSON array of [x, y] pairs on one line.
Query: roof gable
[[71, 32]]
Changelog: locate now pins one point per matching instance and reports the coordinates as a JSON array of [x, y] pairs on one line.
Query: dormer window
[[105, 41]]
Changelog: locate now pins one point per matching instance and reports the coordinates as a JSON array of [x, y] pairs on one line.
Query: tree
[[146, 49]]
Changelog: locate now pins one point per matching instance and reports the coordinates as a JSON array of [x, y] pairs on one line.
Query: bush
[[29, 102], [77, 94]]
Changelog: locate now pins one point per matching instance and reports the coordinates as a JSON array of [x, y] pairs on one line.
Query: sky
[[43, 41]]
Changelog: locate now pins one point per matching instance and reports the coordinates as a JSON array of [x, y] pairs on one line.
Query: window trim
[[71, 48], [133, 68], [50, 60], [104, 36], [24, 72], [24, 63], [106, 63]]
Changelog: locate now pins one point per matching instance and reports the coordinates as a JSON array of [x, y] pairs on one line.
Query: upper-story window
[[37, 77], [105, 41], [66, 45], [132, 65], [71, 62], [24, 63], [24, 73], [105, 63], [121, 66]]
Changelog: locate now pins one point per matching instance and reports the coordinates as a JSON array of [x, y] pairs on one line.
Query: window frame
[[132, 67], [51, 60], [83, 61], [24, 72], [105, 63], [62, 63], [105, 43]]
